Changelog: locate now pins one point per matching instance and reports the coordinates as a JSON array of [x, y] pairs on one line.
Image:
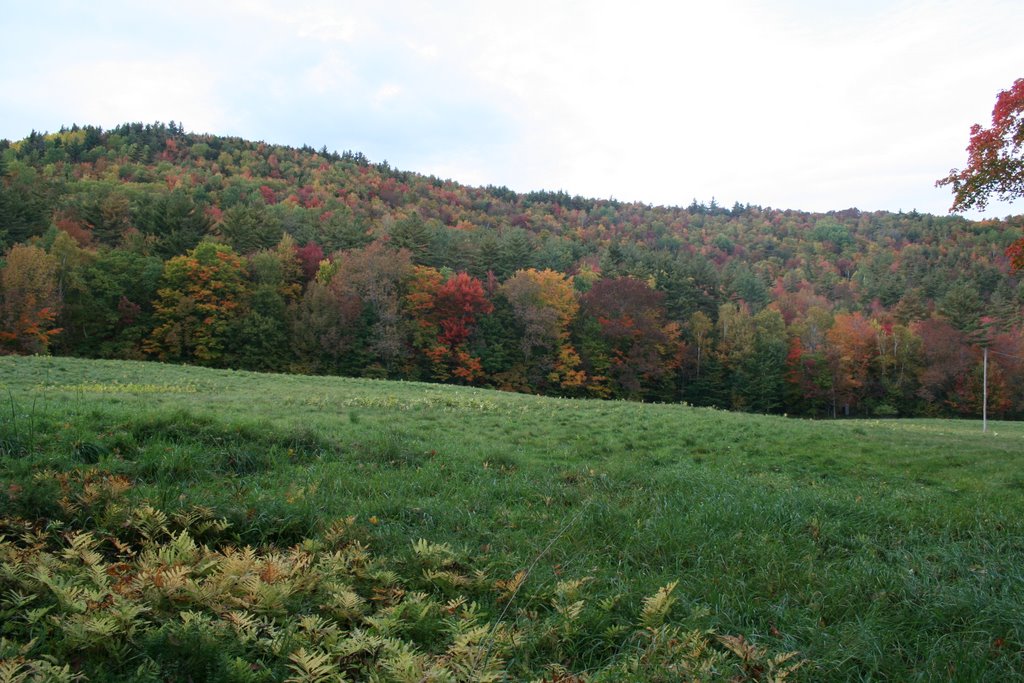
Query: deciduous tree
[[445, 313], [544, 303], [995, 156], [851, 349], [643, 348], [377, 274], [995, 162], [199, 300], [29, 301]]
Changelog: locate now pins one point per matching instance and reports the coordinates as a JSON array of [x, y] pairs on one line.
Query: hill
[[146, 241], [161, 521]]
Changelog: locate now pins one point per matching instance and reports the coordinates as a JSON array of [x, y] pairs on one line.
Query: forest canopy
[[149, 242]]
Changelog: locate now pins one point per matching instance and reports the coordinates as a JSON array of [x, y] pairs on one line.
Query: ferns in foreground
[[129, 592]]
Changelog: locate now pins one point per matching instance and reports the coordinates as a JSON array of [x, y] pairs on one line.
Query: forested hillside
[[147, 242]]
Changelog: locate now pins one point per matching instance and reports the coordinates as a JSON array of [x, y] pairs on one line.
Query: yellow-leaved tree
[[29, 300]]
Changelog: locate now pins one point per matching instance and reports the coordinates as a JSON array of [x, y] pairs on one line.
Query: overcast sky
[[802, 104]]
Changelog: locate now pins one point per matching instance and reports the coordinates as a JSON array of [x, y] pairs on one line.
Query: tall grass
[[875, 549]]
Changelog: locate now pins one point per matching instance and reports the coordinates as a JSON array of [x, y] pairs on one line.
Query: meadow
[[163, 522]]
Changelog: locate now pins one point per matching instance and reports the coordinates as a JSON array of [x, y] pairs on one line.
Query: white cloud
[[332, 74], [385, 94], [109, 92], [789, 103], [739, 102], [427, 51]]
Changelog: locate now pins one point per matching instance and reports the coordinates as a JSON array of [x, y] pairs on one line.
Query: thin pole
[[984, 392]]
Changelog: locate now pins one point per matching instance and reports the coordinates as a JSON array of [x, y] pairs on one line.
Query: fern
[[21, 670], [344, 603], [181, 549], [70, 597], [508, 589], [360, 642], [245, 625], [386, 622], [666, 653], [657, 606], [15, 600], [756, 660], [433, 555], [200, 520], [570, 612], [405, 665], [472, 657], [312, 667], [317, 629], [453, 605], [317, 611], [445, 578], [149, 522], [384, 577], [14, 670], [83, 631], [337, 533], [570, 589]]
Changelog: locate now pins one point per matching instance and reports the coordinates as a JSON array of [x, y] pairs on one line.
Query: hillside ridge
[[331, 264]]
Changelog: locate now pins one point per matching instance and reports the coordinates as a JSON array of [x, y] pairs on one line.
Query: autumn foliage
[[995, 156], [200, 298], [995, 162], [149, 242], [28, 300], [446, 312]]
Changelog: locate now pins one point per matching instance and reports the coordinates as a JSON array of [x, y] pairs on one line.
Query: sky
[[814, 105]]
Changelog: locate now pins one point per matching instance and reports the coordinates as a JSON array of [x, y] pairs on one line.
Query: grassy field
[[508, 536]]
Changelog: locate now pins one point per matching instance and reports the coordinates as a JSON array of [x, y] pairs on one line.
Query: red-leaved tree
[[642, 348], [995, 156], [446, 311], [995, 162]]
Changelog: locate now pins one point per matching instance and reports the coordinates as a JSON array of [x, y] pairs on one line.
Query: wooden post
[[984, 393]]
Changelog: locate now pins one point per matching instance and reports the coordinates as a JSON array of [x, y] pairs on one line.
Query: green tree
[[340, 229], [760, 375], [262, 335], [24, 205], [411, 233], [107, 310], [515, 252], [175, 219], [962, 306], [106, 211], [250, 227]]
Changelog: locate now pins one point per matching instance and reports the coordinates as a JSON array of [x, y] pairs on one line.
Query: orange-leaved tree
[[198, 303], [545, 303], [851, 350], [29, 300]]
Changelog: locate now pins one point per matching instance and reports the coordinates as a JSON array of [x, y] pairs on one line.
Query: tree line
[[148, 242]]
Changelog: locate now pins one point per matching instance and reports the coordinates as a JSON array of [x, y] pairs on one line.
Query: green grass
[[880, 550]]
